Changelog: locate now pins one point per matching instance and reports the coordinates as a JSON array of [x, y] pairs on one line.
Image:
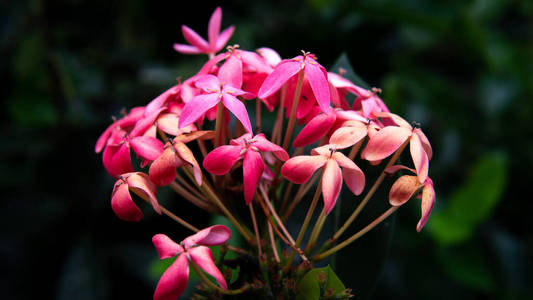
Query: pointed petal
[[316, 74], [186, 154], [224, 37], [195, 108], [397, 120], [300, 168], [194, 39], [210, 236], [238, 109], [385, 142], [186, 49], [123, 205], [145, 123], [121, 161], [141, 185], [314, 130], [163, 170], [252, 168], [165, 246], [231, 72], [209, 83], [102, 140], [428, 200], [200, 135], [348, 136], [352, 174], [403, 189], [270, 55], [203, 257], [214, 27], [396, 168], [169, 123], [220, 160], [331, 184], [283, 71], [147, 147], [420, 158], [267, 146], [174, 280], [425, 142]]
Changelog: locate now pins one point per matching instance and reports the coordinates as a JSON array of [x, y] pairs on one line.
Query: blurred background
[[463, 69]]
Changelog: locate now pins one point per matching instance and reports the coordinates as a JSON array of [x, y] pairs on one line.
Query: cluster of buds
[[185, 139]]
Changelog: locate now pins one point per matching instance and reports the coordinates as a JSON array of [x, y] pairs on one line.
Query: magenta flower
[[215, 92], [314, 72], [220, 160], [121, 201], [406, 186], [388, 139], [300, 168], [198, 45], [174, 280]]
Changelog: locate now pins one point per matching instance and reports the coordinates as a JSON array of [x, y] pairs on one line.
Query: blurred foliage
[[461, 68], [320, 283]]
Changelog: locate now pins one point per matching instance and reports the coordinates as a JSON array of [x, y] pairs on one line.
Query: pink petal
[[145, 123], [397, 120], [210, 236], [254, 62], [425, 142], [169, 123], [271, 56], [331, 184], [102, 140], [315, 129], [186, 49], [283, 71], [220, 160], [403, 189], [317, 76], [267, 146], [194, 39], [194, 109], [385, 142], [420, 158], [121, 161], [174, 280], [147, 147], [396, 168], [238, 109], [352, 174], [209, 83], [141, 185], [163, 170], [300, 168], [428, 200], [214, 27], [324, 150], [201, 135], [231, 72], [252, 168], [348, 135], [160, 101], [165, 246], [224, 37], [203, 257], [186, 154], [123, 205]]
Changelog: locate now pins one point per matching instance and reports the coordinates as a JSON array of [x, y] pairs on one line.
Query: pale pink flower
[[300, 168], [198, 45], [121, 201], [192, 249]]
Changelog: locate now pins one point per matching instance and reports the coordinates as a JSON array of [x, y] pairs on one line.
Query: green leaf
[[473, 202], [344, 63], [310, 288]]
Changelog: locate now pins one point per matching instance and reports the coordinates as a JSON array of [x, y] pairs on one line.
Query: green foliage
[[321, 283]]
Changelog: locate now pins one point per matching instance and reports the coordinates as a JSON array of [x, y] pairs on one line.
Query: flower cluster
[[185, 139]]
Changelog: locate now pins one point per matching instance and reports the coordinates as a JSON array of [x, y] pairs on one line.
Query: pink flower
[[193, 249], [314, 72], [220, 160], [198, 45], [406, 186], [300, 168], [388, 139], [121, 201], [215, 92]]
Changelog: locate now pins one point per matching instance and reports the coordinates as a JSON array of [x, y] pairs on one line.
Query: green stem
[[316, 231], [292, 119], [218, 124], [256, 230]]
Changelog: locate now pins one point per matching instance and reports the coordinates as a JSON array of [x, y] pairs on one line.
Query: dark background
[[461, 68]]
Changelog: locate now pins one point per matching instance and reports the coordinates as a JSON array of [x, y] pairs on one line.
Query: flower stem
[[258, 116], [292, 119], [354, 237], [273, 243], [276, 132], [316, 231], [302, 190], [256, 230], [274, 214], [209, 283], [218, 124]]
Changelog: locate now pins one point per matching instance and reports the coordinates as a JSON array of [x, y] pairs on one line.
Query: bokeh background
[[463, 69]]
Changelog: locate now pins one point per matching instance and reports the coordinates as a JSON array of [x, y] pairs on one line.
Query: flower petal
[[203, 257], [317, 76], [123, 205], [186, 49], [174, 281], [425, 142], [120, 162], [252, 168], [403, 189], [231, 72], [385, 142], [209, 83], [270, 55], [331, 184], [267, 146], [420, 158], [348, 135], [315, 129], [194, 39], [300, 168], [210, 236], [195, 108], [283, 71], [214, 27], [165, 246], [238, 109], [352, 174], [141, 185], [147, 147], [163, 170], [221, 159], [428, 200], [223, 38], [186, 154]]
